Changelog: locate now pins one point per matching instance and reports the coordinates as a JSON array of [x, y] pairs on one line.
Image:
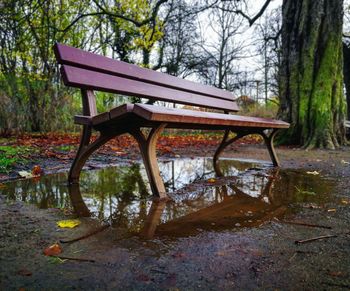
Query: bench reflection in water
[[240, 202]]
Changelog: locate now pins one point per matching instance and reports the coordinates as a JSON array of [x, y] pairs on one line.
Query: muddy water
[[249, 194]]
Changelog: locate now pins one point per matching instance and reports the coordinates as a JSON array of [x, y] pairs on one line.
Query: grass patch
[[65, 148], [11, 155]]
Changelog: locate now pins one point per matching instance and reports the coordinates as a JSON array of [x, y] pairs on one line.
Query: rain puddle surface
[[248, 194]]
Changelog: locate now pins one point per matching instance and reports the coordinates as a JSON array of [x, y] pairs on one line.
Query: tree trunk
[[312, 97], [346, 54]]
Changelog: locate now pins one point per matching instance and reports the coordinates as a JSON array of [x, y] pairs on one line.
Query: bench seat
[[176, 117]]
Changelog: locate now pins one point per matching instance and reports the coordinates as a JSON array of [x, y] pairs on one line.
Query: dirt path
[[263, 257]]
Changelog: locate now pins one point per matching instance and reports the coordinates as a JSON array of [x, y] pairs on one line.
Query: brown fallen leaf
[[24, 272], [53, 250], [336, 274], [37, 171]]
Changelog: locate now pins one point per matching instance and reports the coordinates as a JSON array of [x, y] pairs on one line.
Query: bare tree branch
[[253, 19]]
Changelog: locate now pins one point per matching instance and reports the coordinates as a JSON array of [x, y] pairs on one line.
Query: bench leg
[[224, 143], [148, 152], [269, 144], [85, 150]]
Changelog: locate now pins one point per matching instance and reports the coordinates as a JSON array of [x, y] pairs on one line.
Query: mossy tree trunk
[[346, 55], [312, 97]]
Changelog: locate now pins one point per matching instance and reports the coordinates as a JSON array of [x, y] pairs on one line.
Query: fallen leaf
[[2, 186], [332, 210], [211, 180], [313, 173], [24, 272], [345, 162], [69, 223], [178, 255], [53, 250], [336, 274], [345, 202], [25, 174], [37, 171]]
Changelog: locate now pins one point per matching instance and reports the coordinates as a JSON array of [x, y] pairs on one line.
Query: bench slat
[[163, 114], [81, 78], [87, 60], [180, 116]]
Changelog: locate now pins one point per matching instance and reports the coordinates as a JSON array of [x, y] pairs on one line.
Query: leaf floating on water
[[53, 250], [313, 173], [25, 174], [69, 223], [37, 171]]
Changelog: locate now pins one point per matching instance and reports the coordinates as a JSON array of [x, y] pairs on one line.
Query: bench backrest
[[90, 71]]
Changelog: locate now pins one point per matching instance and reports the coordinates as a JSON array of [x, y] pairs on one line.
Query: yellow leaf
[[211, 180], [69, 223], [313, 173]]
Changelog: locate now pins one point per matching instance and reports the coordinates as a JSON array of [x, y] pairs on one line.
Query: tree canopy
[[299, 48]]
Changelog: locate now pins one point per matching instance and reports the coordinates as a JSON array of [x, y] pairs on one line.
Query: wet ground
[[234, 232]]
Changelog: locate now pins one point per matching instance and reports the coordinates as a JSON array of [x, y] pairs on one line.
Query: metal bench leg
[[269, 144], [224, 143], [148, 152], [85, 150]]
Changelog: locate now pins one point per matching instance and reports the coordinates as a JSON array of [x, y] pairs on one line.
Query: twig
[[306, 224], [314, 238], [86, 235], [75, 259]]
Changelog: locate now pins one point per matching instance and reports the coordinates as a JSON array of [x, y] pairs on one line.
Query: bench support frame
[[147, 144], [226, 141]]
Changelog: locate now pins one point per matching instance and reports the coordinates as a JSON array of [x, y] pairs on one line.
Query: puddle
[[249, 194]]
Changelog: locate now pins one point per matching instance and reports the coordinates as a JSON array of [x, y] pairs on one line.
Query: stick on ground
[[306, 224], [314, 239], [86, 235]]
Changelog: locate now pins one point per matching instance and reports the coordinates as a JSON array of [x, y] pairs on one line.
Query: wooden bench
[[89, 72]]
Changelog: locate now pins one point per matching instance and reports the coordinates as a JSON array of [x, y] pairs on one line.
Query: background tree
[[311, 73]]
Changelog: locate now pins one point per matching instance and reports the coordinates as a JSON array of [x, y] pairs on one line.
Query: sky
[[251, 62]]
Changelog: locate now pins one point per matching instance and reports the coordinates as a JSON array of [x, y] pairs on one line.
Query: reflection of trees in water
[[120, 194], [178, 173], [48, 192], [117, 193]]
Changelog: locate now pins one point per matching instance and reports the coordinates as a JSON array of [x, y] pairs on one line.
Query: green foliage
[[10, 155], [31, 94]]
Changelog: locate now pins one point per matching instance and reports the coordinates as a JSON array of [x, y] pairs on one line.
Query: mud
[[227, 233]]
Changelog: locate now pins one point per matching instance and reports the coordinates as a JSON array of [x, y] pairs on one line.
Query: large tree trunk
[[346, 54], [312, 97]]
